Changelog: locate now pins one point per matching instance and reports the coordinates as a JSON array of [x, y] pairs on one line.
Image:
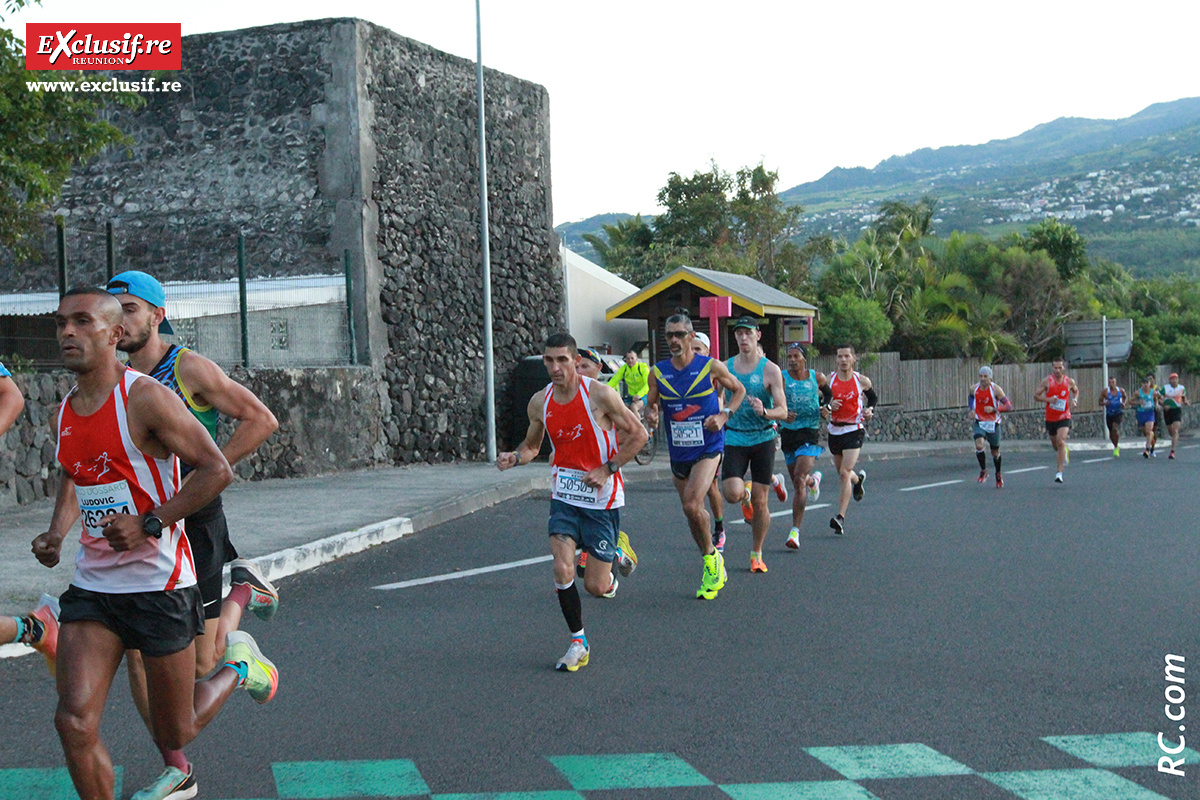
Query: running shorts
[[760, 458], [1113, 419], [838, 442], [1172, 415], [1054, 427], [593, 529], [799, 442], [992, 436], [683, 469], [157, 623], [208, 536], [1143, 417]]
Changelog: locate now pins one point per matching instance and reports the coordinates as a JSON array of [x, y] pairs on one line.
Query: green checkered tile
[[335, 779], [868, 762], [1070, 784], [806, 790], [1114, 750], [43, 784], [628, 771], [553, 795]]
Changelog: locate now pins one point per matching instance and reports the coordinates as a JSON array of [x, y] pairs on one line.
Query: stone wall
[[329, 420], [424, 114], [893, 424]]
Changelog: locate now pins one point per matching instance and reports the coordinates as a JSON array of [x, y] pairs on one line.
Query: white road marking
[[788, 513], [1094, 460], [1189, 446], [1027, 469], [929, 485], [466, 573]]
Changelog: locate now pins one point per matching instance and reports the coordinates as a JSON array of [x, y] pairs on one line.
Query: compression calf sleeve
[[572, 608], [982, 459]]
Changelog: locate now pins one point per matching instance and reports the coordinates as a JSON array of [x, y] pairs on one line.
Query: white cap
[[703, 339]]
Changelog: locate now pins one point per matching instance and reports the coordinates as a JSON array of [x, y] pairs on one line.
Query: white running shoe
[[172, 784], [793, 540], [1058, 477], [814, 491], [780, 486], [575, 658]]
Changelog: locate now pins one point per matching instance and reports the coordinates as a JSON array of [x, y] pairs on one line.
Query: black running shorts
[[760, 458], [838, 442], [1054, 427], [157, 623]]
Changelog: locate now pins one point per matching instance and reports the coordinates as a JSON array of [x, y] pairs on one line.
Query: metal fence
[[933, 384], [233, 307]]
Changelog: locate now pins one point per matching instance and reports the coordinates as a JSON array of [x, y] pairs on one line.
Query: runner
[[806, 391], [585, 419], [11, 400], [1174, 398], [750, 436], [1060, 394], [636, 376], [716, 503], [853, 404], [687, 386], [986, 401], [1114, 401], [1146, 411], [207, 392], [120, 439]]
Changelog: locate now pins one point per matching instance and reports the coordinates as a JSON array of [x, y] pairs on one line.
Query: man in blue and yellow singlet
[[750, 436], [686, 386], [207, 392]]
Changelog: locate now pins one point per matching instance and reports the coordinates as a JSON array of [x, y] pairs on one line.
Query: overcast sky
[[641, 89]]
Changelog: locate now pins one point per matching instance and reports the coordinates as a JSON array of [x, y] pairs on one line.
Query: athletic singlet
[[1114, 405], [688, 398], [3, 372], [849, 416], [113, 477], [1172, 396], [746, 428], [1058, 399], [1145, 400], [580, 445], [166, 372], [981, 397], [803, 397]]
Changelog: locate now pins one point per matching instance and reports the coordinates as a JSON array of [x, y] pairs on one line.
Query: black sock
[[982, 460], [720, 523], [568, 600], [996, 461]]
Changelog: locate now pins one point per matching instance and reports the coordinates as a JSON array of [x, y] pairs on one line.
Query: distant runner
[[716, 503], [636, 376], [750, 436], [1174, 398], [1147, 399], [806, 391], [1114, 401], [686, 385], [1060, 394], [986, 401], [585, 420], [853, 404]]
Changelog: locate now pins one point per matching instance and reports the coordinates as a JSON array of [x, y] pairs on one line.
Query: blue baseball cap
[[139, 284]]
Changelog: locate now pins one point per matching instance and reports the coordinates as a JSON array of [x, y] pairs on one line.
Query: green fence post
[[242, 301], [350, 308], [61, 236], [110, 251]]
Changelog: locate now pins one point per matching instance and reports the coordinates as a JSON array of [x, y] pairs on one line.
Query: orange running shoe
[[757, 564]]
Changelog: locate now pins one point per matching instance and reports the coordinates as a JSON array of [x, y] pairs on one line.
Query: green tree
[[698, 212], [1062, 243], [764, 224], [43, 135], [850, 318]]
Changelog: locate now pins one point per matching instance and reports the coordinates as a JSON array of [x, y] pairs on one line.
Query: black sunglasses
[[677, 334]]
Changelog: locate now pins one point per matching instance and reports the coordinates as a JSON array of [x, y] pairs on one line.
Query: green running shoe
[[627, 559], [714, 577], [262, 677]]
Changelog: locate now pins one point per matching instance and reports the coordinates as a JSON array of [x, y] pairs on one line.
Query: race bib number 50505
[[96, 502], [569, 486]]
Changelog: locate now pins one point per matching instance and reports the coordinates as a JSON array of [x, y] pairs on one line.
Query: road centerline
[[930, 485], [466, 573]]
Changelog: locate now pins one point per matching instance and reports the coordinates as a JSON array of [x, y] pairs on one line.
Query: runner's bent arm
[[48, 545], [631, 435], [528, 449], [651, 410], [1043, 387], [209, 384], [778, 398], [160, 424], [724, 379]]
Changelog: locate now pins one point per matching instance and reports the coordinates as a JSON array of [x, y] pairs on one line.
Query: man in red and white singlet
[[120, 435], [1060, 394], [852, 404], [593, 434], [985, 402]]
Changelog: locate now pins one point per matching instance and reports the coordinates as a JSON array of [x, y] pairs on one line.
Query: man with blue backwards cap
[[207, 392]]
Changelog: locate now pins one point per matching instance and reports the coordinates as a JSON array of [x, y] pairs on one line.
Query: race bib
[[1058, 404], [689, 433], [989, 426], [99, 501], [569, 487]]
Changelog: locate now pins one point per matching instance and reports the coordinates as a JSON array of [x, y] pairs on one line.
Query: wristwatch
[[612, 466], [153, 526]]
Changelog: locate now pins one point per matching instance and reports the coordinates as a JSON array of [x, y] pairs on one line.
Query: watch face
[[152, 525]]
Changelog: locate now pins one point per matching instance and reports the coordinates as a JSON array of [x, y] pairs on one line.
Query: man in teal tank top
[[806, 391], [207, 392], [750, 436]]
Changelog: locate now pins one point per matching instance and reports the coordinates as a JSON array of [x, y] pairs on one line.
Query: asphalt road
[[965, 622]]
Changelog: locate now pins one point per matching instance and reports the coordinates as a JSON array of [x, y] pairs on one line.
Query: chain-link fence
[[249, 300]]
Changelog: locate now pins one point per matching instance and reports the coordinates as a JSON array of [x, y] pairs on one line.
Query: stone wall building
[[318, 137]]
